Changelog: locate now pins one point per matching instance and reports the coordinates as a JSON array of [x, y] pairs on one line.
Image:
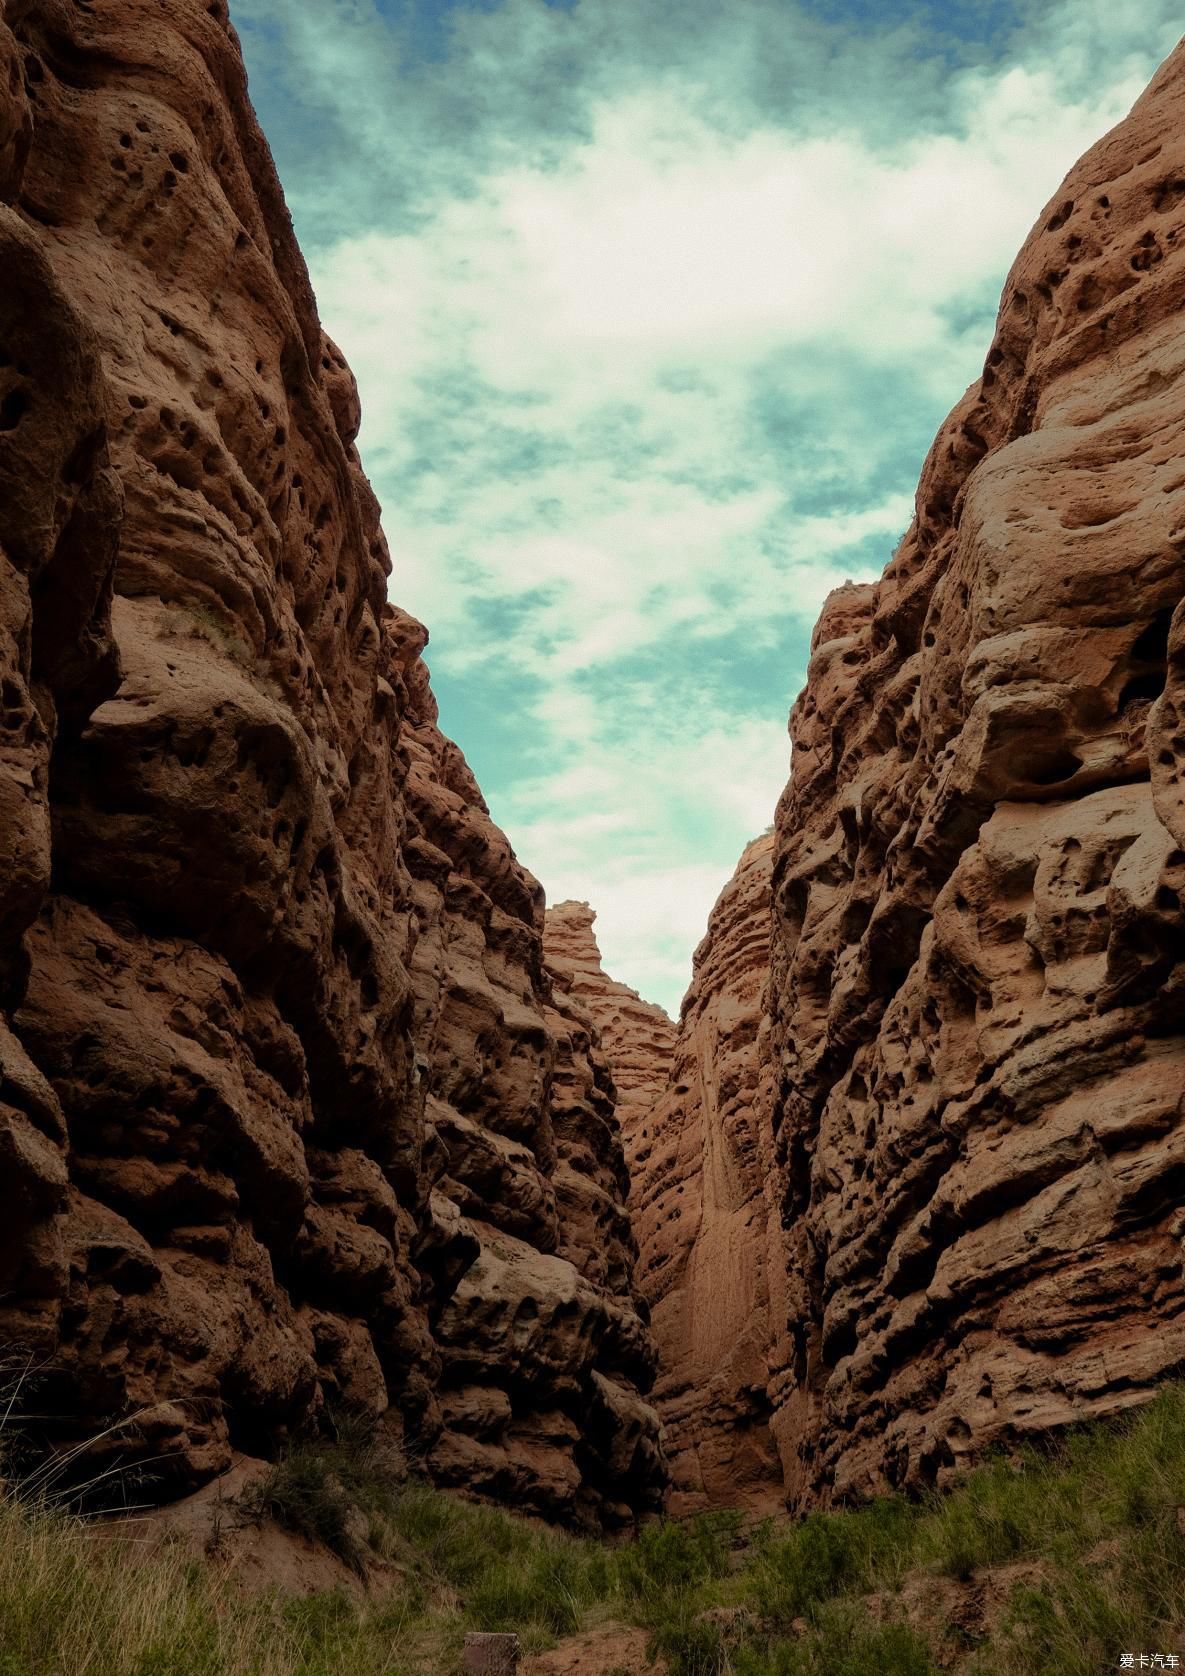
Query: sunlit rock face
[[978, 937], [291, 1116]]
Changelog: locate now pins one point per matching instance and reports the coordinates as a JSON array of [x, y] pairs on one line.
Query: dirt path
[[610, 1649]]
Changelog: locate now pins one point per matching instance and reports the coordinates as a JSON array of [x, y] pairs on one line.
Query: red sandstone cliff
[[297, 1111], [289, 1114], [638, 1037], [929, 1195], [969, 1095], [977, 888], [701, 1212], [697, 1134]]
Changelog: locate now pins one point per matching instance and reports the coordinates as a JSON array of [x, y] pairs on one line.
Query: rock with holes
[[976, 1052], [529, 1264], [279, 1021], [926, 1195]]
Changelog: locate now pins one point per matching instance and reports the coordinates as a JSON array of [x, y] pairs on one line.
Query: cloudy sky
[[655, 306]]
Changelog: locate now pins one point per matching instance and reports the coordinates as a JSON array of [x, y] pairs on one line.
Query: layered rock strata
[[637, 1036], [979, 932], [291, 1115], [701, 1158], [929, 1196]]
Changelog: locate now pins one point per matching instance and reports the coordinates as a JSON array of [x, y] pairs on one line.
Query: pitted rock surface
[[290, 1115], [928, 1195], [978, 1053]]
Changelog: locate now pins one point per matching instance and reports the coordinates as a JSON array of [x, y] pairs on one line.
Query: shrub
[[689, 1643], [828, 1553], [303, 1494], [668, 1558], [842, 1640]]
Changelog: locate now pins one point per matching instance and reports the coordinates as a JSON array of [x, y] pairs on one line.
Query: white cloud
[[652, 316], [657, 834]]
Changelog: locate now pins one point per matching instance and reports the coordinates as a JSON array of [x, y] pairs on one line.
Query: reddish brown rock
[[927, 1196], [283, 1073], [702, 1217], [637, 1036], [536, 1319], [696, 1126], [978, 923]]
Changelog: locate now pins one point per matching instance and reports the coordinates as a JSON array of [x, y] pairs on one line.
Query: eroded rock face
[[701, 1161], [638, 1037], [978, 923], [290, 1115], [928, 1195], [697, 1134], [530, 1254]]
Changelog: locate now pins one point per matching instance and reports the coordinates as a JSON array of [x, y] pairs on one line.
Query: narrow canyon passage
[[310, 1103]]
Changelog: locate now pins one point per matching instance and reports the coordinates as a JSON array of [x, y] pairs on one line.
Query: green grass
[[71, 1602], [332, 1492], [1099, 1520], [1092, 1530], [468, 1566]]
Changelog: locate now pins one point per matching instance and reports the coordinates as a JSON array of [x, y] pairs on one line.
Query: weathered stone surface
[[279, 1022], [637, 1036], [929, 1194], [696, 1128], [703, 1216], [978, 917], [520, 1108]]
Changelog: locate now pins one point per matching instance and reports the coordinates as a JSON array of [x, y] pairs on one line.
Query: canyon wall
[[292, 1115], [967, 1093], [300, 1108], [979, 931], [638, 1037], [700, 1155]]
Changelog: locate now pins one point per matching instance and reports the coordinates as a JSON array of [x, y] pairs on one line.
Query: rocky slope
[[291, 1113], [978, 884]]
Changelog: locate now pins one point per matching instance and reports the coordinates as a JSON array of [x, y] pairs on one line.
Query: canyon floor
[[1068, 1561]]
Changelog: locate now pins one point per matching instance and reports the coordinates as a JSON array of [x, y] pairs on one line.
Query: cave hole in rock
[[13, 409], [1060, 765], [1150, 648], [1141, 689]]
